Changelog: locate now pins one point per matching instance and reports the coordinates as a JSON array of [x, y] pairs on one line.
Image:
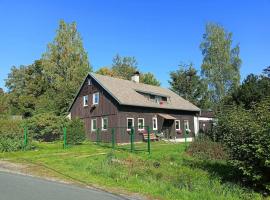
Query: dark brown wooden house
[[104, 102]]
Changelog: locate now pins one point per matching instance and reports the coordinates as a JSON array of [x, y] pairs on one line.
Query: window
[[95, 98], [130, 123], [93, 124], [177, 125], [164, 98], [152, 97], [104, 123], [186, 124], [85, 100], [155, 124], [140, 124], [158, 99], [89, 81]]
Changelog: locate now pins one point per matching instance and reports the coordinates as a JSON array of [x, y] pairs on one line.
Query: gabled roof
[[127, 92]]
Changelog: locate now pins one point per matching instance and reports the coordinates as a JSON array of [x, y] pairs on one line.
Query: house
[[206, 121], [104, 102]]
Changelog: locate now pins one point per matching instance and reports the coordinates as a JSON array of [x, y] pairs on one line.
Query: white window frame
[[102, 123], [128, 129], [154, 119], [187, 124], [177, 129], [84, 98], [141, 129], [94, 94], [92, 127], [89, 81]]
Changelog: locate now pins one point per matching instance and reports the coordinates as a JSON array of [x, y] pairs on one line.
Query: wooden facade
[[117, 115]]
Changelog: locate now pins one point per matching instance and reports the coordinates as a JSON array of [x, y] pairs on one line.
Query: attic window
[[89, 81]]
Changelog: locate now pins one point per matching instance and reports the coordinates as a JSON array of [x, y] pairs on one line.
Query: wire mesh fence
[[124, 138]]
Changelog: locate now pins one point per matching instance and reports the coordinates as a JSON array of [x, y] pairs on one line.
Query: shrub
[[75, 131], [204, 148], [247, 136], [11, 135], [46, 127]]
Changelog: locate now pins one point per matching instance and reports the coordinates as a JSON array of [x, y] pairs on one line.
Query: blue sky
[[160, 34]]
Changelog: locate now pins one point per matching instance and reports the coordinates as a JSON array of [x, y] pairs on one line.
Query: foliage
[[26, 84], [253, 89], [221, 61], [106, 71], [4, 107], [124, 68], [46, 127], [266, 71], [168, 173], [11, 135], [204, 148], [186, 83], [65, 64], [75, 131], [246, 134], [149, 78]]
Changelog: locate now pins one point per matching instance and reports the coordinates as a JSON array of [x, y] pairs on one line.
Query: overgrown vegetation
[[168, 173], [246, 134], [11, 135], [46, 127], [75, 131], [206, 149]]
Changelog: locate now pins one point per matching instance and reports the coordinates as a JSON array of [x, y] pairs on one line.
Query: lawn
[[168, 173]]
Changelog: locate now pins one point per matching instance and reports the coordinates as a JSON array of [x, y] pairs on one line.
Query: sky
[[159, 34]]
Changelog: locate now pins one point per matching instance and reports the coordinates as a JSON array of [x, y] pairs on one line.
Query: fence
[[132, 139]]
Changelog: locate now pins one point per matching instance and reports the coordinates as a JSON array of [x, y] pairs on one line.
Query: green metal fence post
[[65, 137], [113, 139], [25, 136], [148, 140], [186, 138], [132, 140]]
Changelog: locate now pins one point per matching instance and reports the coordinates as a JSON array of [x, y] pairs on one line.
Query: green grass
[[168, 173]]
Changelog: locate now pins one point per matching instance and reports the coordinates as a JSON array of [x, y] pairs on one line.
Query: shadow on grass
[[225, 172]]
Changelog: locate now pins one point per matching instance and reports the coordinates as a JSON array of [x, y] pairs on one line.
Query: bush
[[75, 131], [11, 135], [246, 133], [46, 127], [204, 148]]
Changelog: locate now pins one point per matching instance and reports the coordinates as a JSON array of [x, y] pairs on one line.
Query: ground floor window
[[140, 124], [155, 124], [93, 124], [177, 125], [104, 123], [186, 124], [130, 123]]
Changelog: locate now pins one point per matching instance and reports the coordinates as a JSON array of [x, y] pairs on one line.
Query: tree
[[221, 61], [266, 71], [26, 84], [106, 71], [3, 102], [253, 90], [149, 78], [186, 83], [65, 65], [124, 67]]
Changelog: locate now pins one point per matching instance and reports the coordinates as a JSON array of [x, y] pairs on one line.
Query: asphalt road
[[19, 187]]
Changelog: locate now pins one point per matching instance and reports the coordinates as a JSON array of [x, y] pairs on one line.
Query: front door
[[167, 128]]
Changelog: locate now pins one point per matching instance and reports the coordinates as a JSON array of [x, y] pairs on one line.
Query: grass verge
[[168, 173]]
